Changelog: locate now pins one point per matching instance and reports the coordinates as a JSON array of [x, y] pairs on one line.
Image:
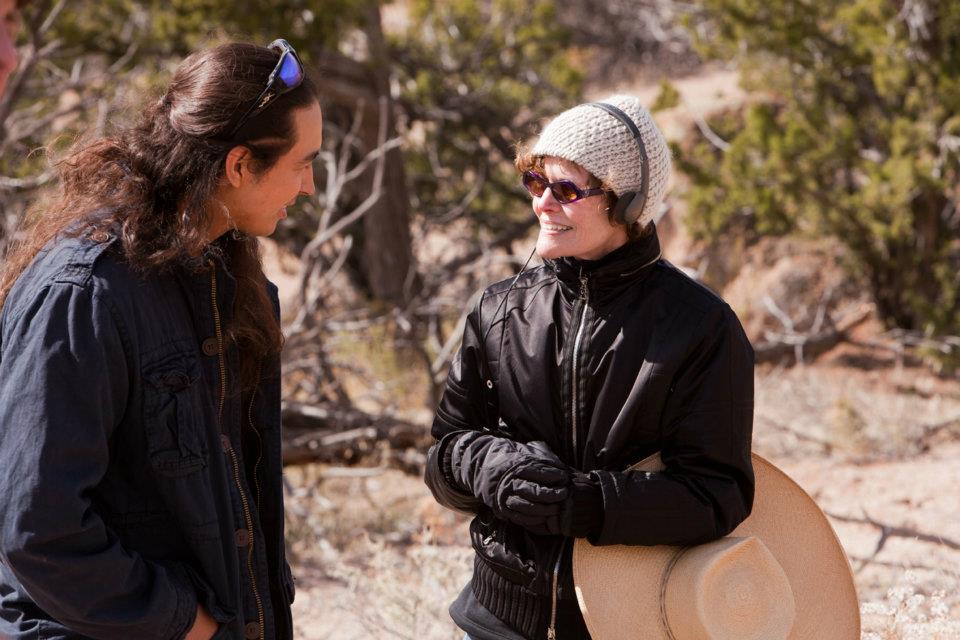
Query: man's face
[[261, 201], [9, 26]]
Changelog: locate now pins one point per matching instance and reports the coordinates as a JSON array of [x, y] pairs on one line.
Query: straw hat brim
[[619, 587]]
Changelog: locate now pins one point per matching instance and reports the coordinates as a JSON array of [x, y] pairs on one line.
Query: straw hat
[[780, 575]]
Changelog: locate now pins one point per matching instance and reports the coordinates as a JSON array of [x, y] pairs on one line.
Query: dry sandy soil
[[376, 558]]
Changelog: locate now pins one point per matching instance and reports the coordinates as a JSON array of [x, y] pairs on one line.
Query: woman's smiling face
[[580, 229]]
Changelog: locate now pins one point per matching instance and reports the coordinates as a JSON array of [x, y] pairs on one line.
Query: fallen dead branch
[[351, 472], [320, 434], [930, 431], [801, 346], [826, 445], [902, 566], [888, 531]]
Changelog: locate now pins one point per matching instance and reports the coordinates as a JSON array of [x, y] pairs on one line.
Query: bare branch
[[778, 313], [31, 55], [888, 531], [25, 184], [52, 17], [826, 445], [439, 363], [458, 210], [778, 346], [705, 129], [316, 433]]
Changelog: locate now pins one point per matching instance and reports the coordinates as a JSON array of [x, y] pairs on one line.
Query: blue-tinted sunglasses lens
[[291, 73]]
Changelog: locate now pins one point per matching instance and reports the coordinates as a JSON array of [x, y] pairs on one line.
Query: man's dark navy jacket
[[124, 496]]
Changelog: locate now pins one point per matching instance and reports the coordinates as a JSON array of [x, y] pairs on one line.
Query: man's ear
[[237, 165]]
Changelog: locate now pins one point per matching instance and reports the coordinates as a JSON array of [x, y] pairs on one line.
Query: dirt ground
[[377, 558]]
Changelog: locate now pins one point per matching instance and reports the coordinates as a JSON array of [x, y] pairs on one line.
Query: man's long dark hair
[[152, 184]]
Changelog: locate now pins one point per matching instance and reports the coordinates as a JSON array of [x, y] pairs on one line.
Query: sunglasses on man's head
[[286, 76], [563, 191]]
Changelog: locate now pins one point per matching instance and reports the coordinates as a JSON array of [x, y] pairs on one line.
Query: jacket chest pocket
[[173, 415]]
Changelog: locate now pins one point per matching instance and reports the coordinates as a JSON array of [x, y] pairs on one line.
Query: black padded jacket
[[606, 361]]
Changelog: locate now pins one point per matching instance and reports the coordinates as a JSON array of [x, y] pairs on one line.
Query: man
[[140, 468]]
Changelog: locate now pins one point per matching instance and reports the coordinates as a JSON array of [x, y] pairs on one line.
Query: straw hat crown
[[780, 575]]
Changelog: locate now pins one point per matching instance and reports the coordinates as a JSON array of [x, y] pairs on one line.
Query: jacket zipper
[[575, 382], [248, 519], [575, 398], [552, 629]]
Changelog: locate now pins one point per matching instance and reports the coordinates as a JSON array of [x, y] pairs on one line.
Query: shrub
[[855, 134]]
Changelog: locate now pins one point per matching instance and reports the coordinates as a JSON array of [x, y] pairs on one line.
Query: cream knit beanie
[[603, 145]]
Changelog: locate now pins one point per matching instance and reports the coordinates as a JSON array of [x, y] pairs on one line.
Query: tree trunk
[[386, 255], [387, 252]]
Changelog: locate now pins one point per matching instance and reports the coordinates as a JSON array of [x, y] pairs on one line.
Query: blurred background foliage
[[827, 180], [851, 128]]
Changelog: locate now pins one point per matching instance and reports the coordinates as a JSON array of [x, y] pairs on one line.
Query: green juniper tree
[[856, 134]]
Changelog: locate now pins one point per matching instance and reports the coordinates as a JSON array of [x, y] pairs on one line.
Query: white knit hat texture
[[603, 145]]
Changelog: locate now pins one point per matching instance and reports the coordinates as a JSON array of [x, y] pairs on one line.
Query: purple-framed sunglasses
[[563, 191], [285, 77]]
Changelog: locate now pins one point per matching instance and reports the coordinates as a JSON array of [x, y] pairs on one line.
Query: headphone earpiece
[[628, 209]]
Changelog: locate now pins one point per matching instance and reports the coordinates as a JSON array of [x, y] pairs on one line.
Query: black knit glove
[[524, 483]]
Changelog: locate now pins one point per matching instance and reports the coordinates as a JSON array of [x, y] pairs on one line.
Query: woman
[[140, 472], [572, 372]]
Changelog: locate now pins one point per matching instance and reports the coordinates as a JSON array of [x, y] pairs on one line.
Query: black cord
[[488, 382]]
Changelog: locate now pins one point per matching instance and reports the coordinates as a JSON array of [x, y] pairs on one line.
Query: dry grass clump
[[908, 613], [371, 555], [404, 593]]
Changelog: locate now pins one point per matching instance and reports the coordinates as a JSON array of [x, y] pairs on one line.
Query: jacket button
[[243, 537], [225, 442], [100, 236], [210, 347], [251, 631]]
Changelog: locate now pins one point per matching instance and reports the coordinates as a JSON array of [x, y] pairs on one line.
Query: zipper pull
[[583, 287], [551, 634]]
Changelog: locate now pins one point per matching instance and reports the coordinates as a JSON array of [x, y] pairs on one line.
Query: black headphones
[[630, 203]]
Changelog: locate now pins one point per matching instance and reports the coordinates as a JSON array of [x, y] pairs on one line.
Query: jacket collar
[[610, 275]]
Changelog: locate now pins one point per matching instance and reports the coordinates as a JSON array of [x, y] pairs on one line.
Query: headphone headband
[[636, 203]]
